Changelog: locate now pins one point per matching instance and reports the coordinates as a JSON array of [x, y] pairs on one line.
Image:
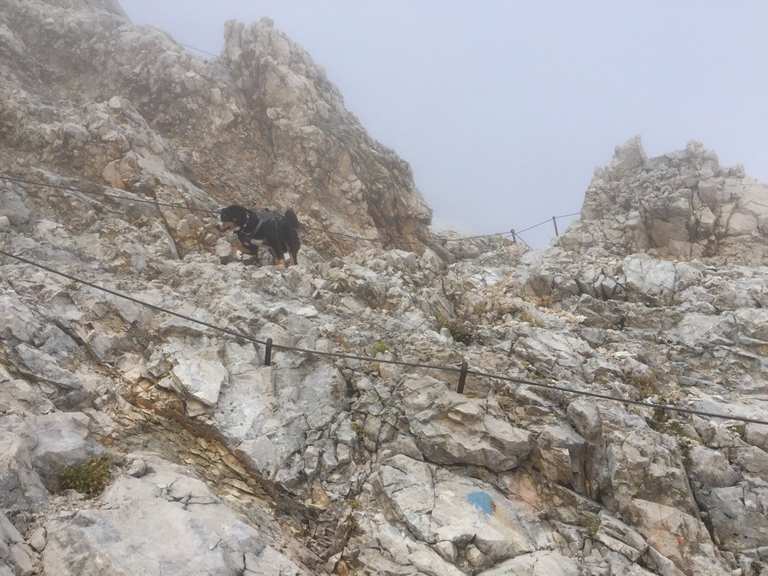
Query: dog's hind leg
[[294, 256], [293, 244]]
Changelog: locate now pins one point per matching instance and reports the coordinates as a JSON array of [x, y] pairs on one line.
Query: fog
[[505, 108]]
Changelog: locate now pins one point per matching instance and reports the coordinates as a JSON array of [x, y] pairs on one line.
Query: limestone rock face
[[451, 429], [331, 465], [682, 205], [193, 455], [261, 126], [312, 133], [188, 532]]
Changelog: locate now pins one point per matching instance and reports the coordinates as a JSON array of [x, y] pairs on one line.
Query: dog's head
[[232, 217]]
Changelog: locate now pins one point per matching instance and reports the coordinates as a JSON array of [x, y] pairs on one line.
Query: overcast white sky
[[504, 108]]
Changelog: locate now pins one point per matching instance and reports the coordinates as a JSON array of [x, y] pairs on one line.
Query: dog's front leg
[[237, 249], [254, 253], [277, 259]]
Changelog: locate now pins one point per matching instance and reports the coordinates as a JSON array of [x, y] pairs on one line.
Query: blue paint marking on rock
[[482, 501]]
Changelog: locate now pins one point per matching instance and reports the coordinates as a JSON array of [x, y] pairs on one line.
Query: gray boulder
[[165, 520]]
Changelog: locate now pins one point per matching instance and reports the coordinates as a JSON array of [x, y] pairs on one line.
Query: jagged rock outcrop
[[211, 462], [103, 100], [681, 205]]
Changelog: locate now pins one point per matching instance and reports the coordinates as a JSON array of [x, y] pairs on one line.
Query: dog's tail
[[292, 219]]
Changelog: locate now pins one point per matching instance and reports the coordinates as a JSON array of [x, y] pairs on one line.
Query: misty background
[[504, 109]]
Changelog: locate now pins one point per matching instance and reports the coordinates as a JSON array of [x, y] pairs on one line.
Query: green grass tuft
[[89, 478], [380, 347]]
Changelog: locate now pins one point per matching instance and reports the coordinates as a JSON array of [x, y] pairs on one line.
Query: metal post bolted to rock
[[514, 236], [268, 353], [462, 377], [554, 222]]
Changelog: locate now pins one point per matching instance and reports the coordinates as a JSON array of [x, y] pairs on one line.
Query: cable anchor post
[[268, 353], [462, 377]]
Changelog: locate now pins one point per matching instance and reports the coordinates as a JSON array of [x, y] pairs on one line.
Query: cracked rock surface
[[218, 464]]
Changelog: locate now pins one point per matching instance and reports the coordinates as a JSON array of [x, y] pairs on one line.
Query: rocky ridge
[[106, 101], [681, 205], [220, 464]]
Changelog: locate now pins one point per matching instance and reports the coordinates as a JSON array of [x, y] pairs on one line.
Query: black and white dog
[[280, 232]]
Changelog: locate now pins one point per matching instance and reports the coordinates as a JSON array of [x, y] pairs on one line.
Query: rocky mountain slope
[[133, 442], [86, 94]]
